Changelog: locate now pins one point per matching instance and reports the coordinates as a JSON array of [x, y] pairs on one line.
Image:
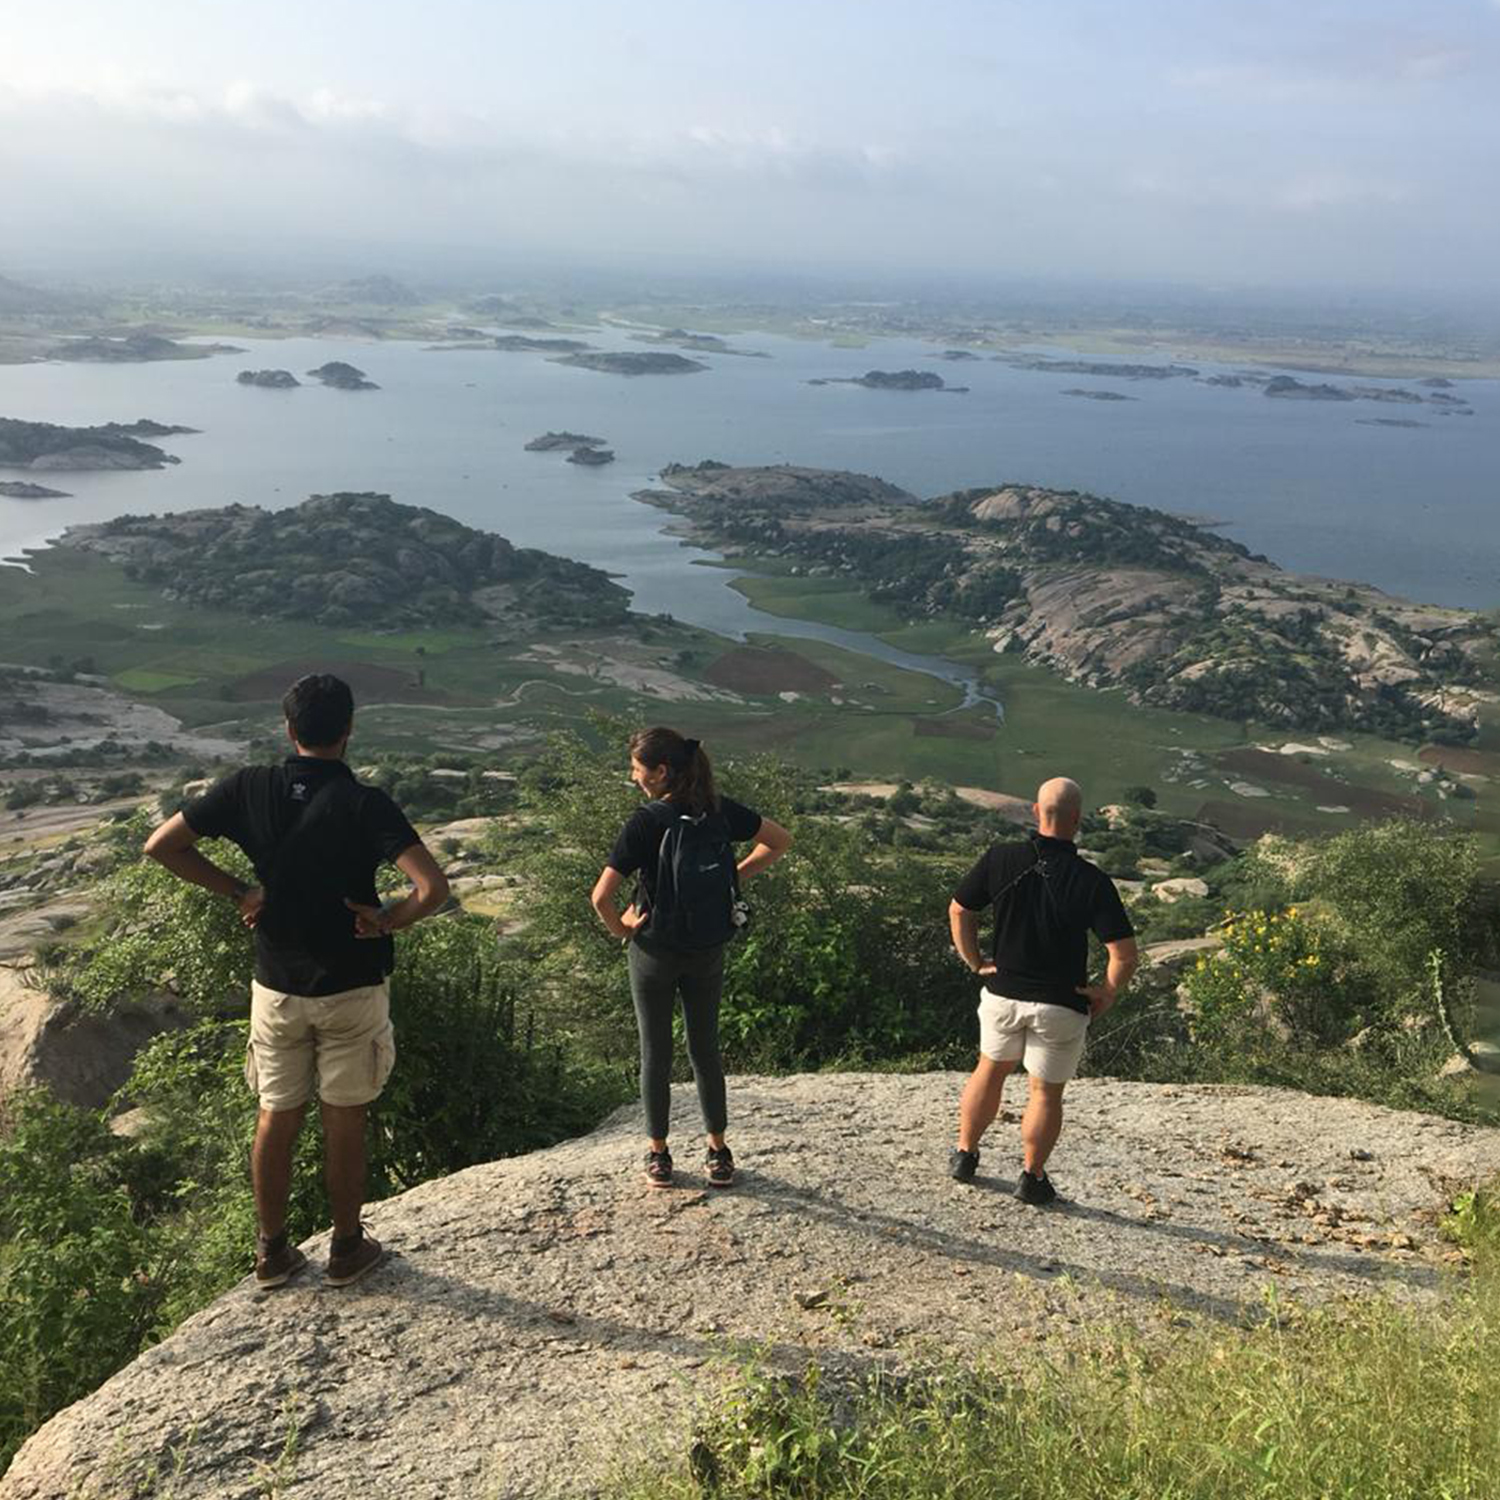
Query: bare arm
[[620, 924], [429, 891], [963, 925], [171, 845], [771, 842], [1123, 957]]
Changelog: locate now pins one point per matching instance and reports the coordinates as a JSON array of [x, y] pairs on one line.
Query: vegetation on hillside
[[1323, 981], [345, 558]]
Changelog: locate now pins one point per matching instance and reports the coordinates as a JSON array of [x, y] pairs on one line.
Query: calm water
[[1412, 510]]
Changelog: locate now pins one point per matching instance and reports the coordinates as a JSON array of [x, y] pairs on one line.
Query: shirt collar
[[317, 765], [1046, 841]]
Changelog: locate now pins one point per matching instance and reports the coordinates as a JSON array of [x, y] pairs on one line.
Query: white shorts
[[1047, 1039]]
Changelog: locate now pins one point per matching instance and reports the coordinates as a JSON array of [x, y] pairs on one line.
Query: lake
[[1409, 509]]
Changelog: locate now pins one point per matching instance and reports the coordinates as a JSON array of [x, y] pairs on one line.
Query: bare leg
[[980, 1101], [1042, 1123], [344, 1164], [271, 1165]]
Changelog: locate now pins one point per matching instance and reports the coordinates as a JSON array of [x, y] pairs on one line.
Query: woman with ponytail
[[679, 845]]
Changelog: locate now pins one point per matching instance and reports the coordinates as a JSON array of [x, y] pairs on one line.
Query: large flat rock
[[538, 1315]]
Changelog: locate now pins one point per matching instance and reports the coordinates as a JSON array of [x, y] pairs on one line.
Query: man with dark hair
[[1036, 1006], [320, 1008]]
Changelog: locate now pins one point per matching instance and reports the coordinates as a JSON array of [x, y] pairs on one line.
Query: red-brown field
[[762, 670]]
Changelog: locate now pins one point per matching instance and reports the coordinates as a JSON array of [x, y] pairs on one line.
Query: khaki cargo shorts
[[1046, 1039], [344, 1041]]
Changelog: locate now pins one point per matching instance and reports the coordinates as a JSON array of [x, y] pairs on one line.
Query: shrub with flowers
[[1275, 973]]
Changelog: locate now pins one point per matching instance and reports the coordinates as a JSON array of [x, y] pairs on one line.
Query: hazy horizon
[[1338, 145]]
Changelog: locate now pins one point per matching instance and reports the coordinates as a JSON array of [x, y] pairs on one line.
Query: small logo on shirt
[[299, 791]]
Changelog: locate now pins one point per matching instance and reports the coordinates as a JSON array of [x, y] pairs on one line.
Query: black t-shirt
[[315, 836], [1046, 900], [639, 842]]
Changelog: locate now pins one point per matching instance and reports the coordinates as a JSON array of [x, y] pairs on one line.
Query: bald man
[[1036, 1004]]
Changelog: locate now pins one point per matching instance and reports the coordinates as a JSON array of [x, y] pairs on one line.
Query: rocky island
[[348, 558], [343, 377], [134, 348], [633, 364], [270, 380], [896, 380], [518, 343], [1096, 395], [550, 441], [1113, 596], [17, 489], [592, 458], [44, 445]]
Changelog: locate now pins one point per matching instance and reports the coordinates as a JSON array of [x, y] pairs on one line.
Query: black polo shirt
[[315, 836], [1046, 900]]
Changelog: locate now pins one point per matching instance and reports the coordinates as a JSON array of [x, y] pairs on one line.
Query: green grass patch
[[889, 688], [1371, 1400], [830, 601]]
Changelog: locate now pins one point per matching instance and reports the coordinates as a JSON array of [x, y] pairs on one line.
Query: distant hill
[[353, 558], [17, 297], [46, 445], [1115, 595]]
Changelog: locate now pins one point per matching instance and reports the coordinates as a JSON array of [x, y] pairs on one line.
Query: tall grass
[[1372, 1400]]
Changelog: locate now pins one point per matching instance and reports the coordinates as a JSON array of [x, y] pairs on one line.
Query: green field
[[422, 691]]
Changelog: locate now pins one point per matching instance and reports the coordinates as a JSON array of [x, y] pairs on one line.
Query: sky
[[1251, 142]]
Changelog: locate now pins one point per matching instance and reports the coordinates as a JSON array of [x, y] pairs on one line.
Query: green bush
[[80, 1283]]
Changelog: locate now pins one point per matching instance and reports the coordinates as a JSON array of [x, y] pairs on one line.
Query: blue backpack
[[697, 884]]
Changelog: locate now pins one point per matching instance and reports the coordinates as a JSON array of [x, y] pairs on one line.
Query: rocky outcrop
[[82, 1056], [343, 377], [133, 349], [549, 442], [1115, 595], [539, 1316], [349, 557], [271, 380], [592, 458], [19, 489], [47, 446], [634, 364]]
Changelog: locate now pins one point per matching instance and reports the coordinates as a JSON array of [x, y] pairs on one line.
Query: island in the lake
[[633, 364], [895, 380], [1112, 596], [270, 380], [592, 457], [343, 377], [698, 343], [1096, 395], [19, 489], [350, 558], [134, 348], [45, 445], [550, 441], [517, 343]]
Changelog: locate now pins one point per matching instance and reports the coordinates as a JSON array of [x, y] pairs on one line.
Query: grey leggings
[[656, 976]]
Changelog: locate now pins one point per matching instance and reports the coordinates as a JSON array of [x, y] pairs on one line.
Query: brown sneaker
[[659, 1169], [719, 1167], [276, 1262], [352, 1256]]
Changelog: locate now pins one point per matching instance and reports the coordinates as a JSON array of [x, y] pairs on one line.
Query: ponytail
[[692, 777]]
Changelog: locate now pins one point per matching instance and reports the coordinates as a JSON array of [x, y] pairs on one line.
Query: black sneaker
[[1035, 1188], [718, 1166], [962, 1165], [659, 1169]]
